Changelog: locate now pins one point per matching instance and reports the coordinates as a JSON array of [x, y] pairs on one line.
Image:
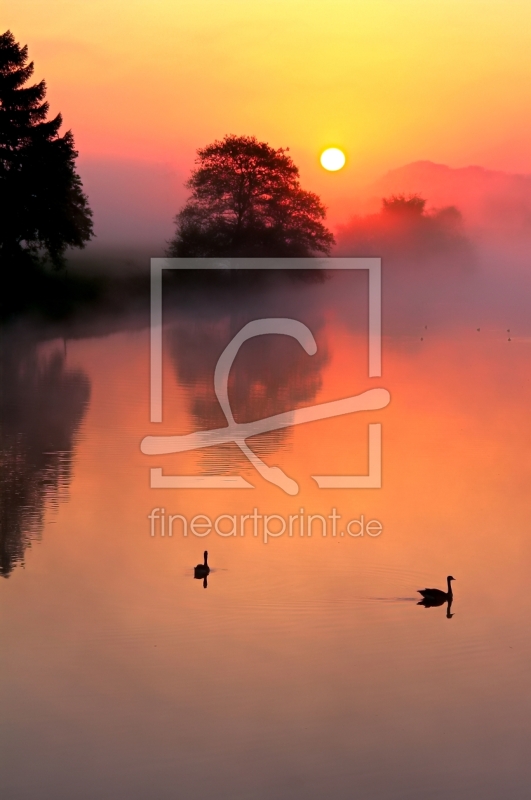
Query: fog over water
[[305, 668]]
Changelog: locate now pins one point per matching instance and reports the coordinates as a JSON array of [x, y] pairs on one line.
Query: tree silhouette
[[44, 209], [405, 230], [411, 205], [247, 201]]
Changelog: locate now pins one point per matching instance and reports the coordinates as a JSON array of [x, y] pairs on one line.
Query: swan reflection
[[432, 602]]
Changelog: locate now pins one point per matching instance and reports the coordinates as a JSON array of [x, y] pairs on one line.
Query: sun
[[333, 159]]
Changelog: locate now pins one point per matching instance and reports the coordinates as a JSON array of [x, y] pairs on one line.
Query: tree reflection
[[271, 374], [41, 407]]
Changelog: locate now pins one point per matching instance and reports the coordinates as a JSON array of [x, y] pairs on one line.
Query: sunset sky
[[389, 81]]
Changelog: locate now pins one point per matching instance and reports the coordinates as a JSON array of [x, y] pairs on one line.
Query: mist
[[134, 203], [474, 218]]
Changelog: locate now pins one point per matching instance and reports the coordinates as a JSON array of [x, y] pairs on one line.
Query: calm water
[[306, 669]]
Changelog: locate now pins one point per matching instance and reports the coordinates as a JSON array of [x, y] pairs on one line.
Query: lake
[[305, 668]]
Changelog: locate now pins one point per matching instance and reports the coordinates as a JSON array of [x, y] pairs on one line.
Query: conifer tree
[[44, 210]]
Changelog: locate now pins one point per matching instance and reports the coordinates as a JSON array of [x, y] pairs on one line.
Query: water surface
[[306, 668]]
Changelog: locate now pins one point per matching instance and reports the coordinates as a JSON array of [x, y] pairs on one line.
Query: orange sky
[[391, 82]]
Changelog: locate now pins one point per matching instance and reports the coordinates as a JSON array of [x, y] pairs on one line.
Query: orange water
[[305, 669]]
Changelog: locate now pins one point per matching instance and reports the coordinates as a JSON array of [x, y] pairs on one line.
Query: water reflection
[[435, 603], [285, 680], [271, 374], [42, 404]]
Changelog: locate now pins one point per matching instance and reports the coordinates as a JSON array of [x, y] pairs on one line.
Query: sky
[[145, 82]]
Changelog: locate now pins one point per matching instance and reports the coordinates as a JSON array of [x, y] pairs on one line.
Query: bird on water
[[438, 594], [202, 570]]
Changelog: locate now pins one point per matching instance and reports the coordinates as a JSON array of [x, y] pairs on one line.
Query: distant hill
[[497, 202]]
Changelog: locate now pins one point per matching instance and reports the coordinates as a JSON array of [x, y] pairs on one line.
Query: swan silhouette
[[431, 598], [433, 595], [202, 570]]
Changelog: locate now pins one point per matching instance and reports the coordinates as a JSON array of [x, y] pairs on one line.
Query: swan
[[438, 594], [202, 570]]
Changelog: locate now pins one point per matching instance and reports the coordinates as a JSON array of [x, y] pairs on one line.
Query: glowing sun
[[333, 159]]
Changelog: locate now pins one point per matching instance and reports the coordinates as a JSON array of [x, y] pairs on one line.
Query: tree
[[247, 201], [404, 205], [404, 230], [44, 208]]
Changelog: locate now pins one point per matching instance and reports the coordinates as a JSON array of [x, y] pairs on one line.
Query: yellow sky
[[390, 81]]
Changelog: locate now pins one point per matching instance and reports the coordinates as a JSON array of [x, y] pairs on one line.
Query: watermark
[[262, 526], [371, 400]]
